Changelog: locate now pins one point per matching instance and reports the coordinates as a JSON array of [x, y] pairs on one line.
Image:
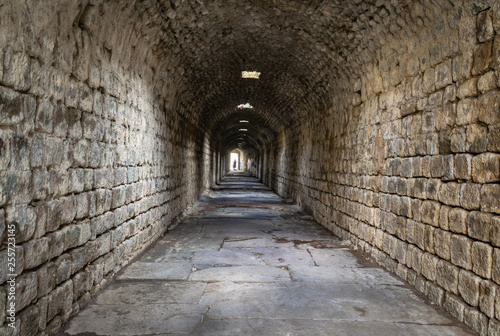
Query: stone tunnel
[[379, 118]]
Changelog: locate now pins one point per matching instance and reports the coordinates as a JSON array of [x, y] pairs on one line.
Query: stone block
[[458, 139], [443, 74], [470, 196], [93, 128], [68, 209], [23, 218], [449, 194], [467, 111], [429, 212], [476, 138], [88, 179], [44, 116], [468, 287], [54, 215], [60, 300], [479, 225], [494, 328], [60, 121], [490, 198], [433, 186], [447, 276], [442, 240], [476, 321], [460, 251], [420, 188], [63, 268], [482, 58], [118, 197], [487, 82], [455, 306], [494, 138], [76, 183], [80, 153], [482, 259], [495, 231], [82, 205], [16, 71], [74, 117], [484, 27], [36, 252], [30, 321], [468, 88], [495, 268], [488, 105], [56, 244], [487, 293], [26, 289], [429, 264]]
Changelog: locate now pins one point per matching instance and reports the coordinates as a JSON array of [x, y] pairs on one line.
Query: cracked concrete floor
[[246, 263]]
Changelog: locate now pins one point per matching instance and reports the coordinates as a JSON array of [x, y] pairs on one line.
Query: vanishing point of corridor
[[243, 262]]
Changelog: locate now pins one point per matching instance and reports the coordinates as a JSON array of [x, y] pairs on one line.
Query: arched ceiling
[[299, 47]]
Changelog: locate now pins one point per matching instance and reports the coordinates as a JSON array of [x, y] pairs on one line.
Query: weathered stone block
[[16, 72], [68, 209], [490, 198], [429, 264], [463, 166], [82, 205], [478, 225], [470, 196], [495, 231], [44, 116], [75, 130], [460, 251], [482, 259], [449, 193], [430, 213], [477, 138], [23, 217], [54, 215], [476, 320], [455, 306], [482, 58], [486, 168], [63, 266], [56, 244], [76, 183], [495, 268], [443, 74], [26, 289], [487, 82], [487, 293], [442, 241], [433, 186], [467, 111], [36, 252], [60, 300], [484, 27], [468, 88], [447, 276], [60, 121], [468, 287]]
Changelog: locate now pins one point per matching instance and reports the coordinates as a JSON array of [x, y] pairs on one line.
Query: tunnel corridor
[[380, 119]]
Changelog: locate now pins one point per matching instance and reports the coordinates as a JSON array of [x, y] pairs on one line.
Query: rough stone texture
[[374, 116]]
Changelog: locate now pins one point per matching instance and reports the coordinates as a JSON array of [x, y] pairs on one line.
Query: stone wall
[[405, 161], [96, 158]]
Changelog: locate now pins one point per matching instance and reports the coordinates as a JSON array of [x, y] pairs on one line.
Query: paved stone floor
[[245, 263]]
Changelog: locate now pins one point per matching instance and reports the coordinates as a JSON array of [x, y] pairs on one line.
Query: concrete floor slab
[[262, 275]]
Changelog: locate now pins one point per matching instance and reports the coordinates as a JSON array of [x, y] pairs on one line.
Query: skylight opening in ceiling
[[250, 74], [245, 106], [244, 121]]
